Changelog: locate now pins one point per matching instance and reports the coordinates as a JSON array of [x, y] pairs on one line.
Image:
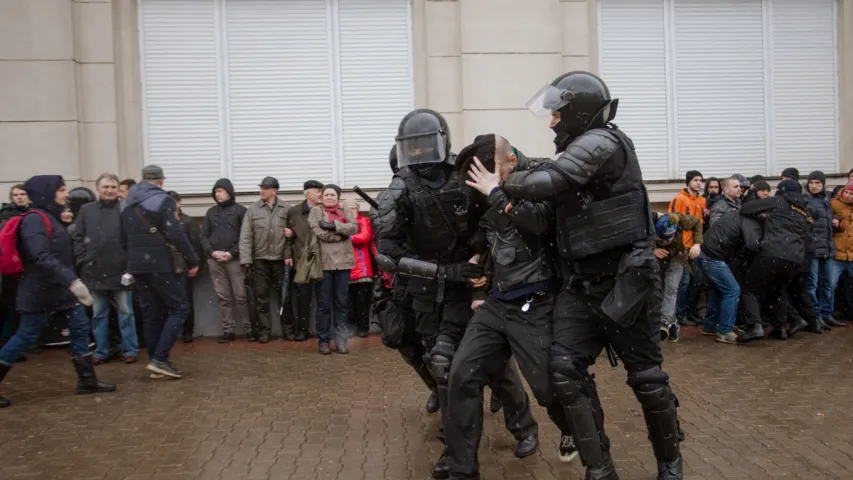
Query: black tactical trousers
[[189, 323], [581, 331], [267, 277], [767, 280], [498, 331], [800, 302]]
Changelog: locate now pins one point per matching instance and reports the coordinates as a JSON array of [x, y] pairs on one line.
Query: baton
[[361, 193], [611, 355]]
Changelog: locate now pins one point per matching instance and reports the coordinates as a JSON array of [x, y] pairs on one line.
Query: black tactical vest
[[441, 219]]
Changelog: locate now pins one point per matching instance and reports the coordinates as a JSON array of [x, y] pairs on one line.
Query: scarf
[[335, 213]]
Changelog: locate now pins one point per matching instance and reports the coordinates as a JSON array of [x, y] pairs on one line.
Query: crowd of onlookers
[[735, 255]]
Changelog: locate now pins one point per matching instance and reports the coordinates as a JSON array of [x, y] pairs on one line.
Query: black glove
[[326, 225], [462, 272]]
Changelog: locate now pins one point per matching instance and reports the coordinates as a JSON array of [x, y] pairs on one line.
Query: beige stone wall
[[70, 99]]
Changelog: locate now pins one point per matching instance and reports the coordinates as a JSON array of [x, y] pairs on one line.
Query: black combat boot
[[495, 404], [432, 404], [4, 369], [441, 471], [755, 332], [671, 469], [796, 326], [87, 382], [607, 472]]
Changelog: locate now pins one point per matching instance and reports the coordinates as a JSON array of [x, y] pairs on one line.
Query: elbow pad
[[531, 185]]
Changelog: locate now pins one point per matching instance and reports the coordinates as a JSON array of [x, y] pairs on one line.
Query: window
[[724, 87], [296, 89]]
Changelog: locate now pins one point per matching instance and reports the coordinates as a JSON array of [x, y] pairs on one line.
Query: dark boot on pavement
[[671, 469], [832, 322], [4, 369], [495, 404], [441, 471], [226, 338], [607, 472], [433, 405], [796, 327], [87, 382], [527, 446], [755, 332]]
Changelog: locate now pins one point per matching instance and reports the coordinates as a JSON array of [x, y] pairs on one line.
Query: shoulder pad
[[593, 146], [388, 199]]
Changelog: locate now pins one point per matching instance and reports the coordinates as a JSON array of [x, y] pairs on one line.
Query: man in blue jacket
[[158, 255], [49, 284]]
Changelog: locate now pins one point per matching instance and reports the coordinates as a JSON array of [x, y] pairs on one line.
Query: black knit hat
[[792, 173], [691, 174], [818, 175], [761, 185], [789, 186], [755, 179]]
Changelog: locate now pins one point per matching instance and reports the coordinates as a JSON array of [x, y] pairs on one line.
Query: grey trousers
[[231, 290], [671, 277]]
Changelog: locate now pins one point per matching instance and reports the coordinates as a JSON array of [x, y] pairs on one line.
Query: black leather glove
[[328, 226], [462, 272]]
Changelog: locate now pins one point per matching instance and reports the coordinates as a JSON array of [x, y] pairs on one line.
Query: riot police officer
[[426, 224], [611, 284]]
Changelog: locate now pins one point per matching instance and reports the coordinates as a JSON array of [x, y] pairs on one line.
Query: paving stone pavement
[[281, 411]]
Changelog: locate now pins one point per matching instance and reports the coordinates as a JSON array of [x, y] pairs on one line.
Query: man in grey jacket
[[730, 200], [263, 237]]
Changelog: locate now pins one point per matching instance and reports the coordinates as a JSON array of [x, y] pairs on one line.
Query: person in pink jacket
[[361, 277]]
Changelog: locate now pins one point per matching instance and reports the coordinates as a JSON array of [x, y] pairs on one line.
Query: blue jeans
[[723, 294], [32, 325], [820, 286], [688, 291], [126, 322], [332, 313], [164, 305]]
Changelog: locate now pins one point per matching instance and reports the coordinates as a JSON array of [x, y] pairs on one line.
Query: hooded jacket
[[730, 235], [786, 226], [821, 212], [48, 261], [688, 204], [221, 228], [98, 251], [361, 250], [150, 251]]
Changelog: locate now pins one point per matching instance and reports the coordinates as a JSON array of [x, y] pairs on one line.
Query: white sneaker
[[568, 452]]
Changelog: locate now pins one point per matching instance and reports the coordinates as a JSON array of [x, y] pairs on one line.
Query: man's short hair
[[17, 186], [106, 176], [127, 182], [731, 179]]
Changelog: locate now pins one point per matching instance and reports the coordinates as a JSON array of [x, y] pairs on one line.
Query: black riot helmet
[[78, 197], [583, 101], [423, 138]]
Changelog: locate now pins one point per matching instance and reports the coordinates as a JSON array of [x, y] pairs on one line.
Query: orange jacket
[[688, 204]]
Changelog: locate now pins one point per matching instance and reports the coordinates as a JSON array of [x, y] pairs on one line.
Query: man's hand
[[707, 212], [661, 253], [479, 282], [193, 272], [328, 226], [476, 304], [836, 222], [463, 272], [227, 257], [288, 261], [482, 180], [288, 233], [695, 250]]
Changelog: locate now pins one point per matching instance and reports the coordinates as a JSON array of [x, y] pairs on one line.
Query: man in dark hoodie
[[155, 240], [102, 261], [220, 239], [783, 251], [819, 285], [49, 284]]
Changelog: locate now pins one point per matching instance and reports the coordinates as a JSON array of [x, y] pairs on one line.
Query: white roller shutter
[[376, 85], [280, 92], [180, 95], [804, 85], [633, 63], [720, 87]]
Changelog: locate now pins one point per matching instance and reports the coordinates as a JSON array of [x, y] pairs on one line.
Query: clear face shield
[[548, 99], [422, 149]]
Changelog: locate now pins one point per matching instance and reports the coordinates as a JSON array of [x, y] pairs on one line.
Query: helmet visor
[[548, 99], [421, 149]]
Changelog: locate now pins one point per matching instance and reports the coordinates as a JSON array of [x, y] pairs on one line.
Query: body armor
[[435, 233]]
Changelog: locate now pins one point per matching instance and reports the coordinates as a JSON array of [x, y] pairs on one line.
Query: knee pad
[[651, 387], [566, 380], [440, 368]]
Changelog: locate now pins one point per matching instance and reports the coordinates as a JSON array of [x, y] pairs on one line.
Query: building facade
[[304, 89]]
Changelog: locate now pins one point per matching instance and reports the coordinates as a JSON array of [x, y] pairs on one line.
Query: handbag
[[309, 268], [179, 263]]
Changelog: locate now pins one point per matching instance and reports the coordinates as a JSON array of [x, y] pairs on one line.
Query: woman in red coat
[[361, 277]]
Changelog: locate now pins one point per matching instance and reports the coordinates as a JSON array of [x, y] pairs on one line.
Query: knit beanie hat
[[789, 186], [818, 175], [691, 174], [791, 173]]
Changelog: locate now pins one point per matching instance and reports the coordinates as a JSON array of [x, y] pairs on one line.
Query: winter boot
[[832, 322], [495, 403], [87, 382], [4, 369], [796, 326], [754, 332]]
